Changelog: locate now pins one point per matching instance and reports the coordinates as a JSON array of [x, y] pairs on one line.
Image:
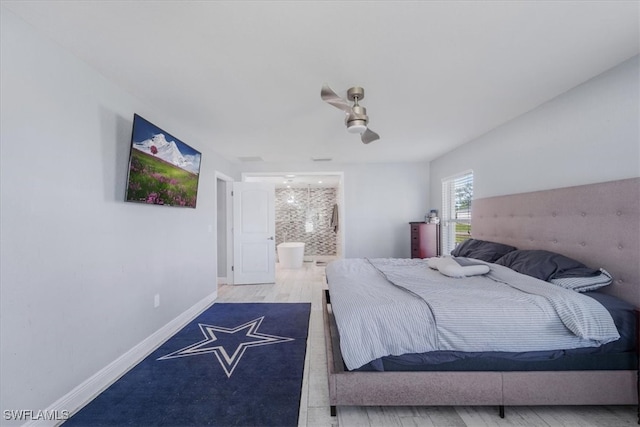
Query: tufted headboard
[[597, 224]]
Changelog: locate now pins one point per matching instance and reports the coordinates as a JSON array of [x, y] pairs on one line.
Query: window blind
[[457, 194]]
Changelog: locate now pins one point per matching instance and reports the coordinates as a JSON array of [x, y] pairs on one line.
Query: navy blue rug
[[234, 365]]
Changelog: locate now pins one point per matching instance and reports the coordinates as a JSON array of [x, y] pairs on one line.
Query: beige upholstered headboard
[[597, 224]]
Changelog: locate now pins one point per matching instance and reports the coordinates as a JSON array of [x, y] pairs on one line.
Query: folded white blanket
[[450, 267]]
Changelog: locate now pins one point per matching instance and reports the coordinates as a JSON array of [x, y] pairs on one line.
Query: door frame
[[228, 225]]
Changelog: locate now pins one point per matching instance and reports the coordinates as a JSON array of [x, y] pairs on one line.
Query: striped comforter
[[396, 306]]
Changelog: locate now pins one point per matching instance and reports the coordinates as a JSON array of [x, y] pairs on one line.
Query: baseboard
[[223, 281], [86, 391]]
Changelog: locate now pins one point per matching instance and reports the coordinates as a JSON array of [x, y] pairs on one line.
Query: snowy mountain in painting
[[168, 151]]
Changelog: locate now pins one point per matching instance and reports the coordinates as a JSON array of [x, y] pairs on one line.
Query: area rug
[[236, 364]]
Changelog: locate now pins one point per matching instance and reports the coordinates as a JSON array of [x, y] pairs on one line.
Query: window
[[457, 193]]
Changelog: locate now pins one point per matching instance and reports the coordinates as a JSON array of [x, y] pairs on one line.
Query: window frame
[[454, 214]]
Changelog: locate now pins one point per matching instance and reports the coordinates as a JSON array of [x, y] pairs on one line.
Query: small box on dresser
[[425, 240]]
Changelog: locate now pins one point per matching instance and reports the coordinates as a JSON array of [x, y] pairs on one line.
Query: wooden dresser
[[425, 240]]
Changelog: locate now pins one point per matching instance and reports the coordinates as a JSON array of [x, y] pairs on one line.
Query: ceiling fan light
[[357, 126]]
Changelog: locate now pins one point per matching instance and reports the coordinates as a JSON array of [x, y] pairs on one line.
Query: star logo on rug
[[228, 344]]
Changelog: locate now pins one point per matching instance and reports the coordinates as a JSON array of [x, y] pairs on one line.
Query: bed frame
[[597, 224]]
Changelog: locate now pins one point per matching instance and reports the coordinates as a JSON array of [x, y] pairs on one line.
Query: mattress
[[388, 308], [617, 355]]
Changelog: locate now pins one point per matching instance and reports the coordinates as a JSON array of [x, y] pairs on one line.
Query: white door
[[254, 230]]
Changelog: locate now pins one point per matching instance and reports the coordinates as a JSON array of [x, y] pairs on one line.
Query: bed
[[596, 224]]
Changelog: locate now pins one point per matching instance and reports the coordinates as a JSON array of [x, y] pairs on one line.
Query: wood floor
[[305, 285]]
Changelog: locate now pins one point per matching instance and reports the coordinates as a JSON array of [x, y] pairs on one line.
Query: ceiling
[[244, 77]]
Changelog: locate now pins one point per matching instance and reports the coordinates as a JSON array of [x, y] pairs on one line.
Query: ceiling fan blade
[[369, 136], [329, 96]]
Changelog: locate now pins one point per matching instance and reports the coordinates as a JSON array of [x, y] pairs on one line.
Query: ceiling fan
[[357, 118]]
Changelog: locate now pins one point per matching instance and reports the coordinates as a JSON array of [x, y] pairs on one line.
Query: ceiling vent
[[251, 159], [321, 159]]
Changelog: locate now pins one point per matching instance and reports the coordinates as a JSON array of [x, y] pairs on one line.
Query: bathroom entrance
[[309, 213]]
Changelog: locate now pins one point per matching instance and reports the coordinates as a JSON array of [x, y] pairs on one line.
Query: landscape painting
[[162, 169]]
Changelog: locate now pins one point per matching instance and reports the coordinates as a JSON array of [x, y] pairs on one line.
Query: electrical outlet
[[156, 301]]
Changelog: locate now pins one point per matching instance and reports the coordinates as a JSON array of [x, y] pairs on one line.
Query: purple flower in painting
[[152, 197], [154, 150]]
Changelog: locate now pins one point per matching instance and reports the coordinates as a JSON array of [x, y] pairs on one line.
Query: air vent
[[251, 159], [321, 159]]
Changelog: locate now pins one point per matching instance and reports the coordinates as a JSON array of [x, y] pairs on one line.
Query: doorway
[[309, 209]]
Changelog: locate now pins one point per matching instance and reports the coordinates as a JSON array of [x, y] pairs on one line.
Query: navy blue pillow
[[545, 265], [482, 250]]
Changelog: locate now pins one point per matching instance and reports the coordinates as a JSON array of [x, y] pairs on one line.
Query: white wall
[[80, 267], [586, 135], [380, 200]]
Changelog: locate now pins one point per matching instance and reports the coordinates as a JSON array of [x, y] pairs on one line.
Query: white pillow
[[449, 267], [433, 262]]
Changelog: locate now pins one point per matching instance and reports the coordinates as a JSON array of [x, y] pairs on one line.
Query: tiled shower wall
[[304, 215]]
